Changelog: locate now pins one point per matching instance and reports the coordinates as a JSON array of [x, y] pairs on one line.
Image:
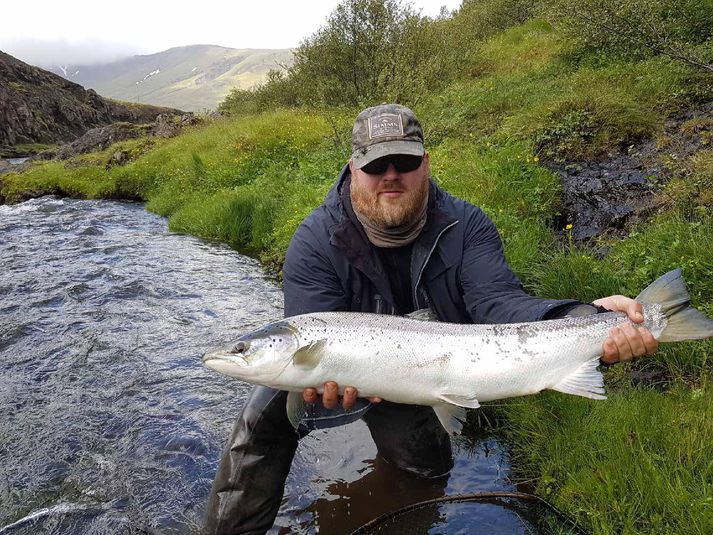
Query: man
[[388, 240]]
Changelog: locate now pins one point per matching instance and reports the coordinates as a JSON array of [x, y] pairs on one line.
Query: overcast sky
[[45, 32]]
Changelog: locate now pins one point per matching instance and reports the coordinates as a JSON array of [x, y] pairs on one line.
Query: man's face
[[391, 198]]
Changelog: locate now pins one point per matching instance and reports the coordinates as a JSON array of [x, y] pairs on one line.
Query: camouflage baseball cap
[[383, 130]]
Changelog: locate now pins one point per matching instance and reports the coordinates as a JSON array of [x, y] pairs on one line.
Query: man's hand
[[330, 397], [627, 341]]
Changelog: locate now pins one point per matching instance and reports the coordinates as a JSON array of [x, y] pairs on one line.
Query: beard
[[390, 213]]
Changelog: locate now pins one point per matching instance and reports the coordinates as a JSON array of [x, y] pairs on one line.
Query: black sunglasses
[[403, 163]]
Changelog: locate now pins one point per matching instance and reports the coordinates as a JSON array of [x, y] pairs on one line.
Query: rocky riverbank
[[38, 107]]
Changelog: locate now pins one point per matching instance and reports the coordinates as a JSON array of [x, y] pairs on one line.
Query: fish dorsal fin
[[295, 408], [309, 356], [451, 417], [585, 381], [423, 314]]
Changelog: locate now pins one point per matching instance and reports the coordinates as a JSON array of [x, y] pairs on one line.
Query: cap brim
[[387, 148]]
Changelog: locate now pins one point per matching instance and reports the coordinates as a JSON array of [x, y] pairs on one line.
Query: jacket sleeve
[[491, 291], [310, 282]]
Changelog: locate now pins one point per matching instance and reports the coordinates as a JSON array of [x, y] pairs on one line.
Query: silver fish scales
[[447, 366]]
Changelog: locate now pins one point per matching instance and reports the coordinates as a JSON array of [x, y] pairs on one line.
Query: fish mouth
[[212, 357]]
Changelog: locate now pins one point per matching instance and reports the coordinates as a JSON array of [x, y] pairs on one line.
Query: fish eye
[[240, 347]]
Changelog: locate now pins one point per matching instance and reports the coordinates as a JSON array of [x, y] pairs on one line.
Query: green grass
[[637, 463], [641, 462]]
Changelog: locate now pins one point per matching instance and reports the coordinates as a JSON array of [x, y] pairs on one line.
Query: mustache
[[394, 184]]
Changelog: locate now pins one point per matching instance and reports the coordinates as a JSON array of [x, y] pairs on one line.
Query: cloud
[[46, 53]]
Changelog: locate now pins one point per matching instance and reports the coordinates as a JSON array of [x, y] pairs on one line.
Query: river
[[109, 423]]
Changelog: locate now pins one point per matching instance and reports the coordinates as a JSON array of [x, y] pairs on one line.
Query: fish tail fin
[[683, 322]]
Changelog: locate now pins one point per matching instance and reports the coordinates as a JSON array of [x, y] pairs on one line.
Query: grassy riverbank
[[637, 463]]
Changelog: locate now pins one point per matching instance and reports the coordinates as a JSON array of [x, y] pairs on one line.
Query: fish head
[[258, 356]]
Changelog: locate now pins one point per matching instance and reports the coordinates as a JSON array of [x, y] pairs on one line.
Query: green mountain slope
[[191, 78]]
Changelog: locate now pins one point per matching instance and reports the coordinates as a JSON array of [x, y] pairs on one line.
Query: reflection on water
[[108, 421]]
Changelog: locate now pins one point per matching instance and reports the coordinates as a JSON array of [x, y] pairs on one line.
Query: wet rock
[[120, 157], [657, 379], [169, 125], [10, 166], [8, 151], [95, 139], [605, 195], [609, 195]]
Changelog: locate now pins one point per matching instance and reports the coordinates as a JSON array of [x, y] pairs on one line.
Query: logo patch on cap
[[385, 125]]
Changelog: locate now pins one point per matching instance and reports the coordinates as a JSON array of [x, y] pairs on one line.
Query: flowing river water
[[109, 423]]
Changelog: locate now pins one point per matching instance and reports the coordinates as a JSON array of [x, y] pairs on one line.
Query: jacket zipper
[[423, 266]]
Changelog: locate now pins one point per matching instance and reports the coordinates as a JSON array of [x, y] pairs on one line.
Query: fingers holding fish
[[621, 303], [349, 398], [627, 342], [330, 395], [310, 395], [650, 342], [331, 398]]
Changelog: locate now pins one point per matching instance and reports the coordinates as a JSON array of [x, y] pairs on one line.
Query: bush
[[380, 50], [680, 29]]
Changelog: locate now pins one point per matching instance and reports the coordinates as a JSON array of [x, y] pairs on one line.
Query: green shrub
[[679, 29], [567, 135]]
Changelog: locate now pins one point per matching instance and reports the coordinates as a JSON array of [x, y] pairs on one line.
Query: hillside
[[37, 106], [191, 78]]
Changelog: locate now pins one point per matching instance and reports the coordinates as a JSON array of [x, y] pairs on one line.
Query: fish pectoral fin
[[309, 356], [462, 401], [451, 417], [586, 381], [295, 408]]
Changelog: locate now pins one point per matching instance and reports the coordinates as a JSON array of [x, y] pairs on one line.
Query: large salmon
[[445, 365]]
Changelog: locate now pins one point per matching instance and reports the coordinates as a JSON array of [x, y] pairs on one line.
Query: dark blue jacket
[[457, 266]]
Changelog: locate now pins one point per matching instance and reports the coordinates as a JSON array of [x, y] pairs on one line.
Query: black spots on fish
[[398, 346], [524, 333], [499, 330]]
